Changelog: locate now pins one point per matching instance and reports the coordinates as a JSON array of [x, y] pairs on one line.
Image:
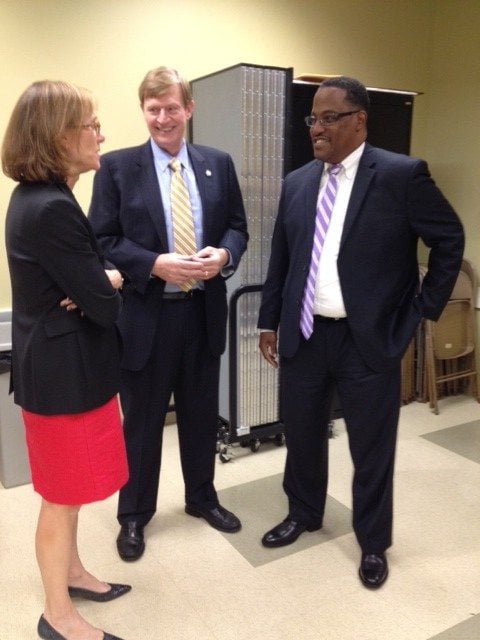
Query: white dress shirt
[[328, 300], [161, 161]]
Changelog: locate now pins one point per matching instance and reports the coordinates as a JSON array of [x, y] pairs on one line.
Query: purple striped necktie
[[322, 220]]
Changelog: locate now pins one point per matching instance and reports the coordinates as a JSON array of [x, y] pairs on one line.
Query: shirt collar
[[162, 158], [350, 163]]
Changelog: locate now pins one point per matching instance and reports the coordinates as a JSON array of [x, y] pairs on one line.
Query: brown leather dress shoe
[[373, 570], [286, 532], [217, 517], [130, 542]]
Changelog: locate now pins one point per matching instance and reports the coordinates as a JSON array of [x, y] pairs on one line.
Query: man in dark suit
[[366, 304], [173, 322]]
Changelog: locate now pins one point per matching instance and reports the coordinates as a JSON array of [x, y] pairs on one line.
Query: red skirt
[[77, 458]]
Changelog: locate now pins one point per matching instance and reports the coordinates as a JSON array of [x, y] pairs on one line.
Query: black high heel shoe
[[116, 590], [47, 632]]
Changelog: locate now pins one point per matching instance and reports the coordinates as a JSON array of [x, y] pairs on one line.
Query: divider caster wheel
[[255, 445], [224, 455], [279, 439]]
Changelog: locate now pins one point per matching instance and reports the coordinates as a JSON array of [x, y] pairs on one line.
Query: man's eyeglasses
[[94, 126], [329, 119]]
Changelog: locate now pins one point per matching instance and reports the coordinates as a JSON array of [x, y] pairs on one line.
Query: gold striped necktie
[[182, 218]]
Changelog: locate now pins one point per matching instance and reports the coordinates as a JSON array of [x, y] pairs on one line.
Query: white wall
[[108, 45]]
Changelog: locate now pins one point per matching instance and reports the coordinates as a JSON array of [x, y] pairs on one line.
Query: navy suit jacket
[[62, 361], [127, 216], [393, 203]]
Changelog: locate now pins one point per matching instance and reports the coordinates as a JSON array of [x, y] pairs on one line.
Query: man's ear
[[189, 109]]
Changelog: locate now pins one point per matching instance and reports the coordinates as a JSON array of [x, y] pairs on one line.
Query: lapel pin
[[208, 173]]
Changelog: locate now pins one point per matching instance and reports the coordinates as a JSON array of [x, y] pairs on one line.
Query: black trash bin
[[14, 468], [5, 361]]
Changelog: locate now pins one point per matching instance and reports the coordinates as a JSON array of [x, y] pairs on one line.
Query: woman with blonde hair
[[65, 302]]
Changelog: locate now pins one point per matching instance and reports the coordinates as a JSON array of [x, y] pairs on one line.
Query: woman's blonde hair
[[32, 149]]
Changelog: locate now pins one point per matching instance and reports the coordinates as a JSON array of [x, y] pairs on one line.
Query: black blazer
[[127, 216], [62, 361], [393, 203]]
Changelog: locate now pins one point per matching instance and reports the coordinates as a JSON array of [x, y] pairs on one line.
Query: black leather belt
[[328, 319], [182, 295]]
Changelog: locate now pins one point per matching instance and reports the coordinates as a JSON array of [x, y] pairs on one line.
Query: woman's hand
[[68, 304]]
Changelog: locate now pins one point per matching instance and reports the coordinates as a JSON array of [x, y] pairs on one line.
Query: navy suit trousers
[[181, 363], [370, 404]]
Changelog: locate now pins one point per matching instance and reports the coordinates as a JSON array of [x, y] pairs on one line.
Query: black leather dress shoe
[[217, 517], [47, 632], [373, 570], [130, 542], [286, 532], [116, 590]]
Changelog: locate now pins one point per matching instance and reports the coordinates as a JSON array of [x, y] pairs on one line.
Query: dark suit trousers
[[181, 363], [370, 403]]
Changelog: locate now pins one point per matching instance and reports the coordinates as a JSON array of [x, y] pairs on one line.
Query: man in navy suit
[[172, 338], [367, 303]]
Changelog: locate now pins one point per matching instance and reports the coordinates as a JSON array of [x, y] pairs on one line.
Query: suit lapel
[[312, 185], [150, 190], [365, 174], [202, 172]]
